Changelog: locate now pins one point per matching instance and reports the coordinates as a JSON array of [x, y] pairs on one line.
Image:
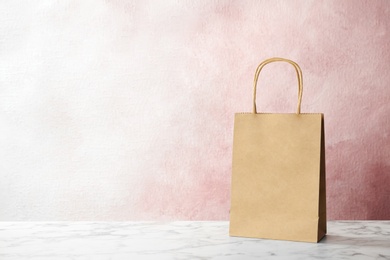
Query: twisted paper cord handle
[[299, 75]]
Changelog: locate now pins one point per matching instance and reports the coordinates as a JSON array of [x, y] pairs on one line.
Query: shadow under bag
[[278, 173]]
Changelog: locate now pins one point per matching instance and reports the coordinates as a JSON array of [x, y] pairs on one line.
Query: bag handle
[[299, 75]]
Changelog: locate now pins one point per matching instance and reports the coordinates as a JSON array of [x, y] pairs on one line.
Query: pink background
[[123, 110]]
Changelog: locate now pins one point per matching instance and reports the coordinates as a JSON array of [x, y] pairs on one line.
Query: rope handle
[[299, 75]]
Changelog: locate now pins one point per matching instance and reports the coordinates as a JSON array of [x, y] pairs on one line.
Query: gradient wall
[[123, 110]]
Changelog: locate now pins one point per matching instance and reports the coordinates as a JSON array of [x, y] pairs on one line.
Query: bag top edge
[[239, 113]]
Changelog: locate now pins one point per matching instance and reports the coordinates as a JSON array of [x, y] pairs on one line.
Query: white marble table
[[183, 240]]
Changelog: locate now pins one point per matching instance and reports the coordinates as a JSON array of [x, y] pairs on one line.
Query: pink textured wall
[[123, 110]]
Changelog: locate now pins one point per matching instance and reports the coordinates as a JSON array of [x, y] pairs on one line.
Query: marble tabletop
[[183, 240]]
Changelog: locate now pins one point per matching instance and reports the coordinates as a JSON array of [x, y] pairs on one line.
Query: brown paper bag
[[278, 173]]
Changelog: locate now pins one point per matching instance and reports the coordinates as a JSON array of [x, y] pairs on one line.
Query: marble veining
[[183, 240]]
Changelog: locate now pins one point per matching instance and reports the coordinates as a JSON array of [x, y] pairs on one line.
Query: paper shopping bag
[[278, 173]]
